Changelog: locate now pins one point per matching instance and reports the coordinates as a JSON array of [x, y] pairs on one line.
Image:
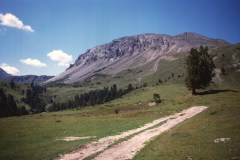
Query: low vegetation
[[156, 98], [34, 136], [194, 139]]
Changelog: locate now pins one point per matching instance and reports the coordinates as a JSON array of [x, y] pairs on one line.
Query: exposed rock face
[[131, 52]]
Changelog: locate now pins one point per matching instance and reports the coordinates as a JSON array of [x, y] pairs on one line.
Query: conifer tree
[[200, 68]]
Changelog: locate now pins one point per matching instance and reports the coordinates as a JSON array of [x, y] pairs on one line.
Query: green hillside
[[18, 92], [36, 136]]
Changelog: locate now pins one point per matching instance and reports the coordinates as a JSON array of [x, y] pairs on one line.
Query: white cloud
[[10, 70], [11, 20], [33, 62], [62, 58]]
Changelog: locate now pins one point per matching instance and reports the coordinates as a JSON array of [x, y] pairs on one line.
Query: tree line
[[92, 98], [8, 106], [33, 99]]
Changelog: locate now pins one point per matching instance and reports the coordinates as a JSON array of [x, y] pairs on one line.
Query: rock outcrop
[[131, 52]]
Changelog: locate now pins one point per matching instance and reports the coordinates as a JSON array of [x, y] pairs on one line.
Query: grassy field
[[195, 138], [34, 136]]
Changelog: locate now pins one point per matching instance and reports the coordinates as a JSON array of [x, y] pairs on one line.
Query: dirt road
[[128, 149]]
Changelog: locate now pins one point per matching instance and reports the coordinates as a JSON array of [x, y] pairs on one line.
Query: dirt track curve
[[129, 148]]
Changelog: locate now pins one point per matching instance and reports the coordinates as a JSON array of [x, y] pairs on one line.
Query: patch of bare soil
[[224, 140], [74, 138], [150, 104]]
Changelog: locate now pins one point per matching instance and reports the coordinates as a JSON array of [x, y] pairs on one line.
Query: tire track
[[127, 149]]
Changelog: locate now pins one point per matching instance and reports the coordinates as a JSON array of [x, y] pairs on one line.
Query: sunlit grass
[[34, 136]]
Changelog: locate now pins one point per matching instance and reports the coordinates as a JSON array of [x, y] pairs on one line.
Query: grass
[[34, 136], [165, 70], [195, 138], [65, 93]]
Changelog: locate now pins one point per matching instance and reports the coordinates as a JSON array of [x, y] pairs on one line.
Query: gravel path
[[128, 149]]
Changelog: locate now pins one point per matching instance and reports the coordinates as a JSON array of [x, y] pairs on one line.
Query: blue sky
[[43, 36]]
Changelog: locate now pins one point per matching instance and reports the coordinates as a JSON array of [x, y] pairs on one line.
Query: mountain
[[27, 79], [132, 54], [4, 74]]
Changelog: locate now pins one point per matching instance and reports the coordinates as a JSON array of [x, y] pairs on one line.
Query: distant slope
[[4, 74], [227, 61], [140, 53], [27, 79], [17, 92]]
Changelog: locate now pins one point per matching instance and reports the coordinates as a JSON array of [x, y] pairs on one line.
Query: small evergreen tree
[[160, 81], [145, 84], [199, 65], [223, 70], [130, 88], [12, 84], [157, 98], [32, 84]]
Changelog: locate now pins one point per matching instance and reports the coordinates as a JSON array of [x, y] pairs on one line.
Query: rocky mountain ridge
[[132, 52]]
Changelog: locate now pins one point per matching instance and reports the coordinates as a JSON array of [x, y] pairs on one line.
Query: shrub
[[156, 98], [116, 111], [145, 84]]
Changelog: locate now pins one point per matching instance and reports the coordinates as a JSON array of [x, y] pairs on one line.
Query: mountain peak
[[189, 34], [131, 52], [195, 37]]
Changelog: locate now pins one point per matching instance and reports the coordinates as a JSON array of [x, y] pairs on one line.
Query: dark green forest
[[8, 106], [92, 98]]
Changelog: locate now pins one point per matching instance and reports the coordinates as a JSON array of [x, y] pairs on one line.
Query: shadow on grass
[[215, 91]]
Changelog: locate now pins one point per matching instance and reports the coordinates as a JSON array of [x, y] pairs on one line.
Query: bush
[[145, 84], [116, 111], [223, 71], [156, 98]]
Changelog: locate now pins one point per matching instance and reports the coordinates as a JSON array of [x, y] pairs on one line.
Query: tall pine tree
[[200, 68]]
